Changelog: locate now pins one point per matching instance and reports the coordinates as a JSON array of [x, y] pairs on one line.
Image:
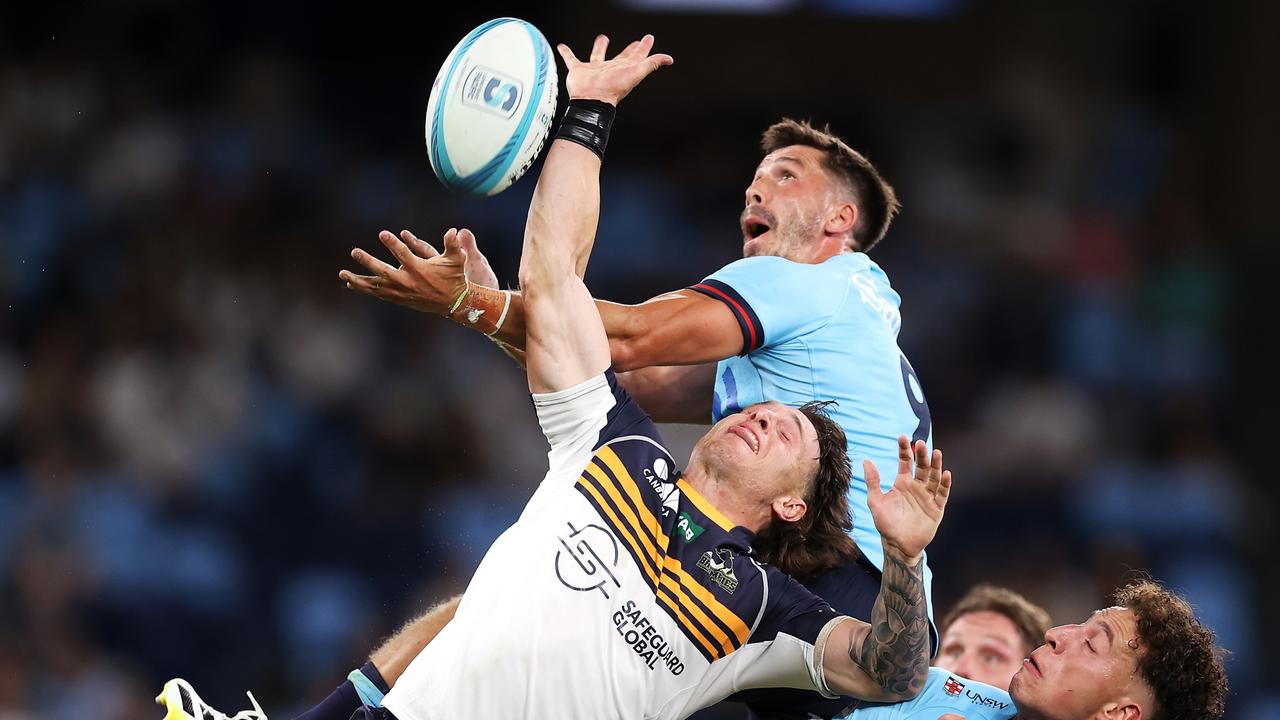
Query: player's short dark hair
[[874, 197], [1179, 659], [1031, 620], [820, 540]]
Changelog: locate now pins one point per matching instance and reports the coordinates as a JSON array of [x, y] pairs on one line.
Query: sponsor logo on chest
[[587, 559], [979, 699], [643, 638], [687, 529]]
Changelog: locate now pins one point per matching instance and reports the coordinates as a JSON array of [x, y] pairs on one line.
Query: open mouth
[[1031, 664], [756, 222], [755, 229], [748, 437]]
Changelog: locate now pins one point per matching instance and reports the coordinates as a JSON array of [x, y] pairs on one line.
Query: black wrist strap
[[588, 122]]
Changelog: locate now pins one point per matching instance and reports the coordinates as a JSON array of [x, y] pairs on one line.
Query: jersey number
[[911, 382]]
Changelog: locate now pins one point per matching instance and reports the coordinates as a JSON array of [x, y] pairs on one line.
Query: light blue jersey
[[944, 693], [825, 332]]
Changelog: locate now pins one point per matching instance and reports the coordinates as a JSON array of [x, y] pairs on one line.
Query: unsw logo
[[718, 564], [953, 686], [985, 701]]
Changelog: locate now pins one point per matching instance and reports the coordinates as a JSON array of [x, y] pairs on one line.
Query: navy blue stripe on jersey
[[669, 594], [623, 516], [675, 564], [748, 321], [626, 417], [634, 512]]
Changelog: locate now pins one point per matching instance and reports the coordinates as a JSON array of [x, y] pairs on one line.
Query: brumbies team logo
[[953, 686], [586, 559], [718, 564]]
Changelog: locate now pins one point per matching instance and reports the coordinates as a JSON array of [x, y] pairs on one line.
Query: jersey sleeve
[[774, 299], [578, 420], [785, 648]]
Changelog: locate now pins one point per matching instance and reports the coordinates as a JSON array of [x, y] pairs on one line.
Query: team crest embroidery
[[953, 686], [718, 564]]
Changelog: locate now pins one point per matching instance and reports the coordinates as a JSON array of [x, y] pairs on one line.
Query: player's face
[[768, 449], [1081, 668], [787, 203], [984, 646]]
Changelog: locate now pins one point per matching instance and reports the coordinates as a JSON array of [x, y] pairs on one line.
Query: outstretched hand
[[610, 80], [425, 280], [908, 515]]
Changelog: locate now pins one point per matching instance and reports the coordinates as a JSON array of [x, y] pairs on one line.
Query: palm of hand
[[908, 515], [610, 80]]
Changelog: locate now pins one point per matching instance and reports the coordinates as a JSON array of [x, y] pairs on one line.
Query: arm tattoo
[[895, 651]]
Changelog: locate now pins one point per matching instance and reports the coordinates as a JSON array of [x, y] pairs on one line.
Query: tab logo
[[688, 529], [492, 91], [719, 566]]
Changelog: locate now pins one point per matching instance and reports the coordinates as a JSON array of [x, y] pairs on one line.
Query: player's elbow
[[632, 342], [540, 275], [622, 353]]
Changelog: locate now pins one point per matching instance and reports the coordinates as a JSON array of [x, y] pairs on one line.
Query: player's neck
[[819, 251], [729, 498]]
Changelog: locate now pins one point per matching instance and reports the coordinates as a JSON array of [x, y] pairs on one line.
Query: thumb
[[453, 248], [872, 477], [468, 242], [660, 60]]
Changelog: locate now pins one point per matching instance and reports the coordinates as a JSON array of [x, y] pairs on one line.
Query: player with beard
[[599, 601], [806, 315]]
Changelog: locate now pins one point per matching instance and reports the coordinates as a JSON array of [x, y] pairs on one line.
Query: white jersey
[[619, 593]]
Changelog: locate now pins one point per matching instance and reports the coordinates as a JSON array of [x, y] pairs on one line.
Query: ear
[[842, 219], [1125, 708], [789, 508]]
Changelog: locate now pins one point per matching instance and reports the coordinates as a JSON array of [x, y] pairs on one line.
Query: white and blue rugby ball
[[491, 107]]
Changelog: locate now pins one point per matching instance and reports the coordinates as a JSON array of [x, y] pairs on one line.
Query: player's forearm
[[394, 655], [894, 652], [562, 217], [619, 325]]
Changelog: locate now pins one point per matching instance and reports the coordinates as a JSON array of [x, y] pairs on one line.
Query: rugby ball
[[491, 107]]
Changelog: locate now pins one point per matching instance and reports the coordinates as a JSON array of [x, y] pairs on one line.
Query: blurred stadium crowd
[[216, 462]]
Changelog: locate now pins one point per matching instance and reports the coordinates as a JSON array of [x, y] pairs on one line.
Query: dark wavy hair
[[820, 540], [874, 196], [1031, 620], [1179, 659]]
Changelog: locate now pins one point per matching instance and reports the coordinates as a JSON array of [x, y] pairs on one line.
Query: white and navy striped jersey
[[619, 593]]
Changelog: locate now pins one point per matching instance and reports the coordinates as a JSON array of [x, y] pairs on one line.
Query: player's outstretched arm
[[675, 328], [888, 659], [565, 342]]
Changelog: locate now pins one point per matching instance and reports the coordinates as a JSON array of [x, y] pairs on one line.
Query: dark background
[[215, 462]]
